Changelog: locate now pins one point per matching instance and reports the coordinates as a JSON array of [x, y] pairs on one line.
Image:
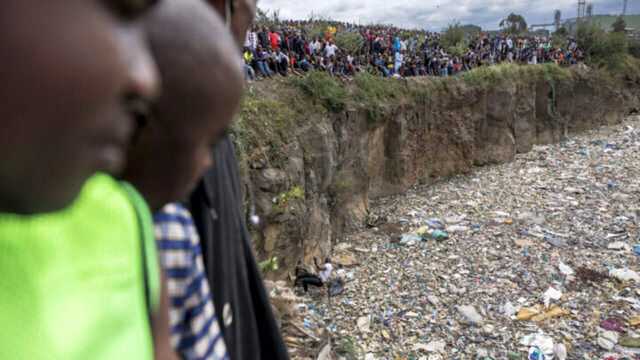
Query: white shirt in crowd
[[324, 274], [282, 56], [247, 40], [331, 49], [398, 61]]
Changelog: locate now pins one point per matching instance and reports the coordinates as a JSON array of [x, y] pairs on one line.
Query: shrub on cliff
[[324, 90], [600, 48], [351, 42], [634, 49], [453, 39], [619, 25], [559, 41]]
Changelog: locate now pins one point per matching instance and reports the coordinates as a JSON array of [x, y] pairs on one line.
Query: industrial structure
[[582, 7]]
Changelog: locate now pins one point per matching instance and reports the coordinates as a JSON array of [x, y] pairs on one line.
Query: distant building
[[605, 21]]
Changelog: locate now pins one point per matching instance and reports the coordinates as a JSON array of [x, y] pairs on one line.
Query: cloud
[[436, 14]]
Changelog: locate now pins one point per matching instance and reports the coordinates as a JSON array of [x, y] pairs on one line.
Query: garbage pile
[[305, 332], [535, 259]]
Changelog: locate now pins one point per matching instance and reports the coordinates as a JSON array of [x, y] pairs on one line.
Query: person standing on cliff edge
[[248, 325]]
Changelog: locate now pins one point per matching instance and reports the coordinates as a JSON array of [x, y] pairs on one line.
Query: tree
[[589, 11], [600, 49], [559, 41], [350, 42], [453, 39], [590, 39], [634, 48], [514, 24], [561, 31], [452, 35], [619, 25]]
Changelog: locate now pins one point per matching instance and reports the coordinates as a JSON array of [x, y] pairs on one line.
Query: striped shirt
[[195, 332]]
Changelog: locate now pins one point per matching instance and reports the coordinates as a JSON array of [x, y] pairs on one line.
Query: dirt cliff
[[315, 152]]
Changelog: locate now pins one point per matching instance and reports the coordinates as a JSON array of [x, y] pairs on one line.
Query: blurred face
[[173, 150], [68, 70]]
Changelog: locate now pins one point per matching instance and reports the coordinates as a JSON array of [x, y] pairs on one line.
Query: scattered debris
[[535, 259]]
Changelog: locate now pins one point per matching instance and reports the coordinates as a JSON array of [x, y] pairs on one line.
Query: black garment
[[263, 39], [308, 279], [236, 284], [282, 66]]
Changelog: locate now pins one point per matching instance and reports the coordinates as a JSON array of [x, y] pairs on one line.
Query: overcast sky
[[435, 14]]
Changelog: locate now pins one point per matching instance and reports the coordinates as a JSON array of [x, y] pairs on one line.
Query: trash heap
[[535, 259], [305, 333]]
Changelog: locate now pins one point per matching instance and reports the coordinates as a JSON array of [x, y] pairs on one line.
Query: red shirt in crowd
[[273, 38]]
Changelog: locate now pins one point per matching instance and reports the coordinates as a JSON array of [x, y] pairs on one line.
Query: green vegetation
[[264, 19], [324, 90], [453, 39], [268, 265], [350, 42], [601, 49], [619, 25], [285, 197], [348, 348], [514, 24], [270, 117], [340, 190], [634, 49], [559, 41], [562, 31], [265, 122], [372, 90]]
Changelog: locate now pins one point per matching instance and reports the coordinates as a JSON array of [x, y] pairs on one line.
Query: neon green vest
[[72, 283]]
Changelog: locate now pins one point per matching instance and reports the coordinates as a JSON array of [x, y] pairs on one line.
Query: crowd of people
[[122, 228], [387, 51]]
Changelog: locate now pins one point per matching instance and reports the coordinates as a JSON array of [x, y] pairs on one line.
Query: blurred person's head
[[238, 14], [70, 69], [201, 87]]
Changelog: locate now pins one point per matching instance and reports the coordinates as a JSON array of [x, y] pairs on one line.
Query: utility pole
[[624, 8], [582, 4]]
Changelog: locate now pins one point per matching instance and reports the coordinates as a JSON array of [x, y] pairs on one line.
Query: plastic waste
[[565, 269], [471, 315], [541, 346], [409, 295], [409, 239], [556, 241], [629, 342], [560, 352], [437, 235], [335, 287], [607, 339], [612, 325], [625, 275]]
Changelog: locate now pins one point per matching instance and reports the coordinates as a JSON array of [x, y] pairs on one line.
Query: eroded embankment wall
[[313, 180]]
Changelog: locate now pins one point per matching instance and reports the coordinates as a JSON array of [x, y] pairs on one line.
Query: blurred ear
[[219, 6]]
